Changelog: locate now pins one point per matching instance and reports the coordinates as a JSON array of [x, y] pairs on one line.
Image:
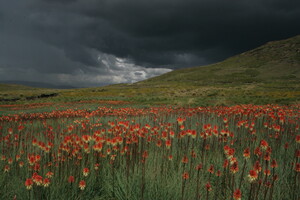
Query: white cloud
[[111, 70]]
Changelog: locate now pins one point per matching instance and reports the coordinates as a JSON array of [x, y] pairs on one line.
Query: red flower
[[264, 144], [37, 179], [28, 183], [49, 174], [298, 139], [297, 167], [237, 195], [82, 184], [234, 167], [145, 154], [185, 176], [225, 164], [46, 182], [85, 171], [274, 164], [185, 160], [208, 186], [252, 175], [257, 166], [267, 156], [218, 173], [168, 144], [71, 179], [211, 169], [246, 153], [199, 167]]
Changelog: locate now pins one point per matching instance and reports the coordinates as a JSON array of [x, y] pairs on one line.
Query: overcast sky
[[96, 42]]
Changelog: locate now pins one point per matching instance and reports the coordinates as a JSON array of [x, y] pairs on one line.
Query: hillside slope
[[267, 74], [270, 73]]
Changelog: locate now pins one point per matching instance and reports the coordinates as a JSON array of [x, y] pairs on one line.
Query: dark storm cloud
[[154, 32], [87, 38]]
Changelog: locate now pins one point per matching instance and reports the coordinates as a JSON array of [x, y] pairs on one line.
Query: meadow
[[116, 151]]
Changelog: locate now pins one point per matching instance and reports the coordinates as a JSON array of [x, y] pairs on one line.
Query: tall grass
[[152, 153]]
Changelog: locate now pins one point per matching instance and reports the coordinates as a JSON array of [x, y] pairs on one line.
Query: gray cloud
[[94, 42]]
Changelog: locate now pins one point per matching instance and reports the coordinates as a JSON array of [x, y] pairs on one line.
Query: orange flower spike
[[6, 168], [185, 176], [37, 179], [49, 174], [297, 153], [252, 175], [297, 139], [225, 120], [267, 156], [199, 167], [226, 163], [208, 187], [21, 164], [218, 173], [82, 184], [46, 182], [211, 169], [28, 183], [185, 160], [168, 144], [71, 179], [237, 195], [234, 168], [297, 167], [85, 171], [145, 154], [257, 166], [257, 152], [274, 164], [10, 161], [10, 131], [96, 166], [247, 153], [264, 144], [180, 120]]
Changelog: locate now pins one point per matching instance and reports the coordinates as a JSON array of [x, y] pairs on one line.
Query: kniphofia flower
[[246, 153], [71, 179], [234, 167], [208, 186], [46, 182], [49, 174], [85, 171], [252, 175], [298, 139], [28, 183], [82, 184], [237, 195], [185, 176]]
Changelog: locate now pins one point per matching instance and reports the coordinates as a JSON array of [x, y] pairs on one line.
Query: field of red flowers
[[158, 153]]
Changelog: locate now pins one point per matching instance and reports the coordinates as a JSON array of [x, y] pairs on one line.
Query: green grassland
[[267, 74]]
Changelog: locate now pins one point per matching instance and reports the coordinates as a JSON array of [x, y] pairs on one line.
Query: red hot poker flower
[[71, 179], [237, 195], [85, 171], [185, 176], [252, 175], [298, 139], [264, 144], [28, 183], [208, 186], [82, 184], [185, 160]]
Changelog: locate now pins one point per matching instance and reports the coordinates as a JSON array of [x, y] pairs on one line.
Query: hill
[[267, 74]]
